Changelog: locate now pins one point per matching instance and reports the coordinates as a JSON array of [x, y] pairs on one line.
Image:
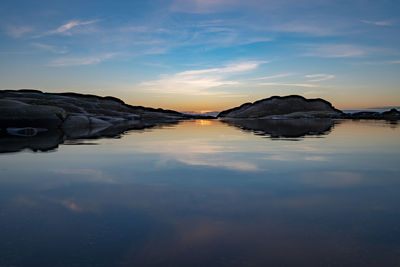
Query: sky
[[204, 55]]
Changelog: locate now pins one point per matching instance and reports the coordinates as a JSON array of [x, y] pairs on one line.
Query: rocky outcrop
[[287, 107], [391, 115], [77, 115], [19, 114]]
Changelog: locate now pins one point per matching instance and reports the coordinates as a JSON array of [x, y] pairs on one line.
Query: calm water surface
[[205, 193]]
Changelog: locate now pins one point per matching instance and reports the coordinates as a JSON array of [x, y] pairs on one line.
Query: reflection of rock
[[284, 107], [17, 139], [42, 141], [290, 128]]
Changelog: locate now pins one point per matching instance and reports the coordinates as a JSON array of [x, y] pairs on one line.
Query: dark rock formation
[[77, 115], [285, 107], [288, 128], [19, 114], [391, 115]]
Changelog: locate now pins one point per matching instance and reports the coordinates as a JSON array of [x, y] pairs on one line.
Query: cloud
[[307, 28], [319, 77], [66, 28], [195, 82], [273, 76], [18, 31], [307, 85], [378, 23], [80, 61], [203, 6], [335, 51], [51, 48]]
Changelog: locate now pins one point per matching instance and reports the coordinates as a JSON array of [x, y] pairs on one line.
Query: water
[[207, 193]]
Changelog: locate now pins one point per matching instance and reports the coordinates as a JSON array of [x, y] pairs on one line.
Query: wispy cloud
[[67, 28], [307, 85], [335, 50], [378, 22], [51, 48], [203, 6], [195, 82], [80, 61], [281, 75], [18, 31], [319, 77], [305, 28]]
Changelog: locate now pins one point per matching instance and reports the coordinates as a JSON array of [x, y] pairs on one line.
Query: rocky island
[[296, 107]]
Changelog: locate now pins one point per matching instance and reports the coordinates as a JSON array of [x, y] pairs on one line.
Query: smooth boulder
[[18, 114]]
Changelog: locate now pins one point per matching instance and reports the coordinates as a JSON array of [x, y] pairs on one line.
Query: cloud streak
[[282, 75], [18, 31], [319, 77], [80, 61], [335, 51], [378, 23], [67, 27], [307, 85], [51, 48], [196, 82]]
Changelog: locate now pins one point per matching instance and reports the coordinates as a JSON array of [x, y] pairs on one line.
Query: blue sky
[[205, 55]]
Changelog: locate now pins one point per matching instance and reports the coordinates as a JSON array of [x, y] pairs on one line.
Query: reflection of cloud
[[316, 158], [219, 162], [71, 205], [93, 175], [332, 179], [296, 157], [198, 153]]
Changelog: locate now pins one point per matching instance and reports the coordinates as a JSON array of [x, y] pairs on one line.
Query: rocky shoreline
[[29, 112], [69, 116]]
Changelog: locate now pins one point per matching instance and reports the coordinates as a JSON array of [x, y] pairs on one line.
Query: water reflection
[[288, 128], [206, 194], [49, 140]]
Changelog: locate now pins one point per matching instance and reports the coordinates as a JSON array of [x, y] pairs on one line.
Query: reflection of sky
[[208, 194]]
